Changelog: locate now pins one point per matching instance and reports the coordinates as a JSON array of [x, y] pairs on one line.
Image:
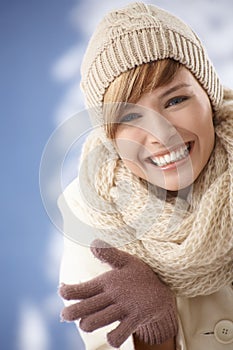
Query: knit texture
[[137, 34], [130, 293], [190, 245]]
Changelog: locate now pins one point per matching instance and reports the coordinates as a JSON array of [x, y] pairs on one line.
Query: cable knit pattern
[[137, 34], [190, 245]]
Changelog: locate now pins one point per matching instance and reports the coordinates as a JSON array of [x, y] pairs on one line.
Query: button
[[223, 331]]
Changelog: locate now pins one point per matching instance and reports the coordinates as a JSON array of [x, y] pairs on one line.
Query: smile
[[173, 156]]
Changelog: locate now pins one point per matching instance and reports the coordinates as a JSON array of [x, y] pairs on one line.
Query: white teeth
[[167, 158], [172, 157]]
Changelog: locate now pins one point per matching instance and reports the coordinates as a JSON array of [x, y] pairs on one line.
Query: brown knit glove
[[130, 293]]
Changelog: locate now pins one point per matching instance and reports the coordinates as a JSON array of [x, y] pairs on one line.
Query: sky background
[[42, 44]]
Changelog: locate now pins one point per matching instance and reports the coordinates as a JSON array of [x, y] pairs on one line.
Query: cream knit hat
[[137, 34]]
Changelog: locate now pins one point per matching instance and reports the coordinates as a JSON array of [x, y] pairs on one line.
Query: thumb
[[108, 254], [119, 335]]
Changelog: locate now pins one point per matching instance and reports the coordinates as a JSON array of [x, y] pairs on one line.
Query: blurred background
[[42, 44]]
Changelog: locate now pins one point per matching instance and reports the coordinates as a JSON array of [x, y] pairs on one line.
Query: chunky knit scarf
[[189, 243]]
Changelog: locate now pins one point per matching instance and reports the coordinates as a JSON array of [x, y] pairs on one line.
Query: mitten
[[130, 293]]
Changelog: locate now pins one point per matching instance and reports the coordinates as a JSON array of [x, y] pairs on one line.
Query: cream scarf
[[188, 243]]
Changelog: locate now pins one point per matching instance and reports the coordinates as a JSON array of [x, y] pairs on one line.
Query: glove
[[130, 293]]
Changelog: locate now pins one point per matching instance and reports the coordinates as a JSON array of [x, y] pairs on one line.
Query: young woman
[[155, 182]]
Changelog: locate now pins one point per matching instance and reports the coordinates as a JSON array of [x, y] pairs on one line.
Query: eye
[[175, 101], [130, 117]]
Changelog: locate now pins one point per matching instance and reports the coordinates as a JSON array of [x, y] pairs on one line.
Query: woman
[[155, 181]]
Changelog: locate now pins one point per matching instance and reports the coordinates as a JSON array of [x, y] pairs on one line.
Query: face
[[167, 137]]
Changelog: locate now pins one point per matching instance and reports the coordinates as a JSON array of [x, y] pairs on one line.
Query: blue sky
[[33, 35], [42, 43]]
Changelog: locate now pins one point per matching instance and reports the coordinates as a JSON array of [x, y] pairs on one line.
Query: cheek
[[204, 130], [207, 139], [128, 144], [128, 132], [203, 116], [198, 120], [128, 141]]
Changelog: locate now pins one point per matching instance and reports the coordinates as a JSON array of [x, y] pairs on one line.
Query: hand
[[130, 293]]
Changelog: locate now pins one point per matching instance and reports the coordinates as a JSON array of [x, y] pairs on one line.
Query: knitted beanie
[[137, 34]]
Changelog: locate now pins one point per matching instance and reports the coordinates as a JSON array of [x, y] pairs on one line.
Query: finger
[[80, 291], [111, 255], [85, 307], [100, 319], [122, 332]]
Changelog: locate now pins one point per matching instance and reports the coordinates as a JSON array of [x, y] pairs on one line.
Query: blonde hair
[[132, 84]]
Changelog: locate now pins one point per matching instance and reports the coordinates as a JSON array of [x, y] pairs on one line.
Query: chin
[[174, 186]]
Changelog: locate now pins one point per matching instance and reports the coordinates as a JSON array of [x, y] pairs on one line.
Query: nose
[[159, 130]]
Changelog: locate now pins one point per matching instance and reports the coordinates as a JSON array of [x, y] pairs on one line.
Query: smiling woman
[[171, 149], [155, 181]]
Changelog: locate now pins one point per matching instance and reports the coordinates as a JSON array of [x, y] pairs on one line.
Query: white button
[[223, 331]]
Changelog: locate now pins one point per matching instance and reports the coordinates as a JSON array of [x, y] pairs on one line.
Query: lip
[[176, 164]]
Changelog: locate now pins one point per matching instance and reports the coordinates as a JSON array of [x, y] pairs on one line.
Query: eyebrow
[[173, 89]]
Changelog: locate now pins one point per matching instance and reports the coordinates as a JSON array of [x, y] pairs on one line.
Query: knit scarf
[[188, 243]]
